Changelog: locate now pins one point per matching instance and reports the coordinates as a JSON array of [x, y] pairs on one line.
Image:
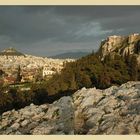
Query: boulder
[[15, 126]]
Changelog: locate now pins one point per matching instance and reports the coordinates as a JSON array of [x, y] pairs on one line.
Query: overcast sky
[[50, 30]]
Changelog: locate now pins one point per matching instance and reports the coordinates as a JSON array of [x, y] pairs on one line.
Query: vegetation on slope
[[88, 71]]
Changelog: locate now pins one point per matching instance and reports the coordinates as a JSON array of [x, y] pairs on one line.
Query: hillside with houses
[[14, 64]]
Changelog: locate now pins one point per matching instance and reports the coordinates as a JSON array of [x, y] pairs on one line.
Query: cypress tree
[[134, 68], [18, 78]]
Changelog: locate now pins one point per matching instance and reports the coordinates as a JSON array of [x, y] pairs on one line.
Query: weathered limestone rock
[[115, 110], [15, 126], [24, 123], [121, 45]]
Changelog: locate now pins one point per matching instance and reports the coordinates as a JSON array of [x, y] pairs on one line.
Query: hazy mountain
[[11, 52], [72, 55]]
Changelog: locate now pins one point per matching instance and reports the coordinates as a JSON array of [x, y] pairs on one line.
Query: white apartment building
[[47, 72]]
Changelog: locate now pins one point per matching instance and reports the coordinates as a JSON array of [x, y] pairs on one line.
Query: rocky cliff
[[122, 45], [115, 110]]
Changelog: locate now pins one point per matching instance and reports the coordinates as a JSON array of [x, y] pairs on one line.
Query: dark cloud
[[47, 30]]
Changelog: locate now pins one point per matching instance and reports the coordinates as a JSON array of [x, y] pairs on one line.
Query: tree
[[1, 72], [133, 68], [137, 47], [19, 77], [39, 75]]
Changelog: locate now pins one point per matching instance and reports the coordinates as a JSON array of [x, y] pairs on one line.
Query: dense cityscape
[[16, 67]]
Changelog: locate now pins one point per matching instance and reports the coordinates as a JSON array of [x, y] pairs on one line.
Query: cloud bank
[[50, 30]]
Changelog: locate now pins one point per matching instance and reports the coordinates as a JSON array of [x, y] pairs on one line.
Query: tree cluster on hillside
[[90, 71], [14, 98]]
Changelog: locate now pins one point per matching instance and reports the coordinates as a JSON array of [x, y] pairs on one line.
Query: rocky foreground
[[115, 110]]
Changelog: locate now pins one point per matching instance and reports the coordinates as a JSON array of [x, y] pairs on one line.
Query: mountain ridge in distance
[[71, 55]]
